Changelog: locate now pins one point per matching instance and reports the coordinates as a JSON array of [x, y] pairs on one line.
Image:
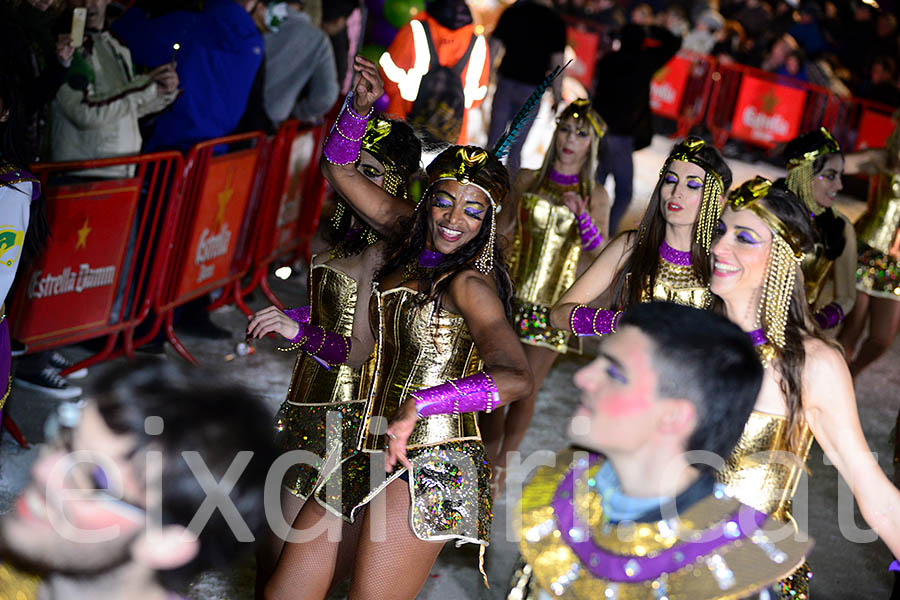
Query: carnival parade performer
[[624, 519], [667, 258], [807, 392], [433, 301], [815, 164], [878, 266], [389, 156], [554, 217]]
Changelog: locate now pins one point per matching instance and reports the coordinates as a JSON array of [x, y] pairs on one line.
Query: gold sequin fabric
[[678, 284], [16, 584], [816, 271], [644, 560], [878, 225], [323, 411], [419, 346], [877, 274]]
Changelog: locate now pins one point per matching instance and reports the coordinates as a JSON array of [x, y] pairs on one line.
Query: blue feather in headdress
[[525, 114]]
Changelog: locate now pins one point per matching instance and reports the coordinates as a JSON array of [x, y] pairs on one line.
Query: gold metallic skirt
[[877, 274], [531, 322]]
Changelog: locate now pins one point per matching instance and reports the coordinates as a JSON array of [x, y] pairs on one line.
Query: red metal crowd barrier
[[861, 124], [680, 90], [94, 279]]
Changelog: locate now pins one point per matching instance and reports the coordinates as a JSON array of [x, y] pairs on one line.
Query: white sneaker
[[49, 382], [60, 362]]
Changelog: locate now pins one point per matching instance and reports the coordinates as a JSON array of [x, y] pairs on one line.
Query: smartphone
[[79, 17]]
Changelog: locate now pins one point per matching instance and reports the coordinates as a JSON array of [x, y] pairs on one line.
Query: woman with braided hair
[[433, 300], [667, 258], [556, 217], [815, 163], [807, 392]]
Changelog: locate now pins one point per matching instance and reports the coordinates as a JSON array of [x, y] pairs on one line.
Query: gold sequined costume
[[570, 549], [678, 284], [877, 273], [418, 346], [322, 406], [547, 249]]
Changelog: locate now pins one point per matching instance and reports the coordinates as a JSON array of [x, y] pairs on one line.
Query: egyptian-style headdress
[[713, 188], [800, 170], [784, 258], [469, 162]]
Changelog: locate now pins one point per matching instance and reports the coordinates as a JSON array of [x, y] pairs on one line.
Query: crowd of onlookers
[[847, 46]]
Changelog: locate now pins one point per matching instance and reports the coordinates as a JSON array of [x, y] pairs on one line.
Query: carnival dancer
[[807, 392], [667, 258], [623, 519], [435, 300], [555, 215], [815, 163], [389, 156], [878, 265]]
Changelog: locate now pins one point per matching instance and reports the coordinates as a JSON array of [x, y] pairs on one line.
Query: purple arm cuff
[[895, 566], [324, 345], [584, 320], [299, 314], [345, 138], [477, 392], [830, 316], [590, 237]]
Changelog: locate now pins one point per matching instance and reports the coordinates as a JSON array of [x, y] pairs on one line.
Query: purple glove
[[590, 237], [299, 314], [324, 346], [474, 393], [584, 320], [345, 139], [829, 316]]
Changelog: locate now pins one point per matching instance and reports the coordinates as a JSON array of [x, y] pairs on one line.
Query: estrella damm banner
[[667, 87], [72, 285], [767, 113], [212, 237], [302, 150]]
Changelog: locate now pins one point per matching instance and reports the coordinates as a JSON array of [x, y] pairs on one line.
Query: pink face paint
[[637, 396]]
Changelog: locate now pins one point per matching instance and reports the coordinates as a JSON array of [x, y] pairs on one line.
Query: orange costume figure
[[408, 59]]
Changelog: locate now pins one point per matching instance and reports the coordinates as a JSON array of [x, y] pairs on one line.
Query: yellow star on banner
[[769, 102], [224, 196], [82, 235], [661, 75]]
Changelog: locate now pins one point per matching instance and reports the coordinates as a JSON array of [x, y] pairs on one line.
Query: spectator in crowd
[[755, 16], [705, 33], [220, 52], [534, 38], [95, 114], [623, 100], [857, 37], [39, 61], [732, 44], [882, 83], [808, 31], [300, 72], [109, 512], [778, 52], [336, 15], [408, 66], [886, 40]]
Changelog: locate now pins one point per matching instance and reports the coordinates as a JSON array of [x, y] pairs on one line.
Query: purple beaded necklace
[[758, 337], [429, 259], [561, 179], [673, 256]]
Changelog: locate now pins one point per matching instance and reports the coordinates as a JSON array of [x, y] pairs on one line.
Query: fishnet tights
[[387, 562]]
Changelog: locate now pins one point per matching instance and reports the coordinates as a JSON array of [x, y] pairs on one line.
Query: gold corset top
[[548, 246], [877, 227], [418, 346], [677, 283], [760, 471], [332, 299], [816, 268]]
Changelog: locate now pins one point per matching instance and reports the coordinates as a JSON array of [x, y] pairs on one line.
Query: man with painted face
[[110, 509], [667, 398]]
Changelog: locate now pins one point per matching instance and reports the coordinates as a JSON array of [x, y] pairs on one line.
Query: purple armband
[[324, 346], [829, 316], [590, 237], [477, 392], [584, 320], [345, 138], [894, 566], [299, 314]]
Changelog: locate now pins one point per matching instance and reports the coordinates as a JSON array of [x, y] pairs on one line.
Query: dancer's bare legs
[[884, 317], [269, 550]]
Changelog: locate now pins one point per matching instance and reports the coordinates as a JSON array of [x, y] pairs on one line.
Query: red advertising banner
[[302, 150], [221, 204], [585, 44], [72, 286], [767, 113], [874, 129], [667, 87]]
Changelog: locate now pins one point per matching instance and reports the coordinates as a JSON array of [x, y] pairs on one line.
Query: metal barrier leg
[[104, 354], [239, 299], [264, 286], [13, 429], [176, 343]]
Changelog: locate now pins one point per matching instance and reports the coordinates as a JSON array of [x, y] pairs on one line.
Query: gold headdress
[[581, 109], [800, 170], [784, 258], [713, 188]]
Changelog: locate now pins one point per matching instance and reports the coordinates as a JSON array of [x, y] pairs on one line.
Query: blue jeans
[[508, 99], [615, 158]]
